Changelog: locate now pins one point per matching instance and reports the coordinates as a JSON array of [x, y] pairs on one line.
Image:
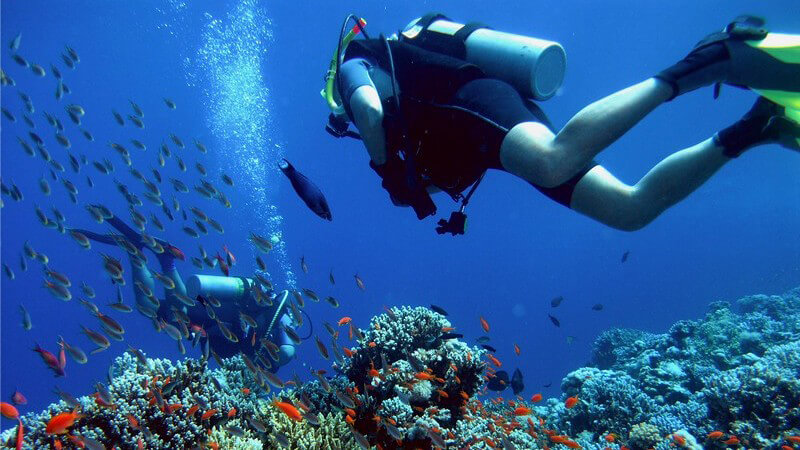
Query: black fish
[[556, 301], [597, 307], [439, 310], [554, 320], [499, 382], [489, 347], [307, 190], [625, 255], [483, 339], [549, 383], [452, 336], [516, 382]]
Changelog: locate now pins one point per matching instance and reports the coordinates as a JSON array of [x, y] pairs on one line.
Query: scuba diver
[[441, 103], [212, 308]]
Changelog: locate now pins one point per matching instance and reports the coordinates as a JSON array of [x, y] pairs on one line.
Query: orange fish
[[349, 420], [715, 435], [232, 412], [424, 376], [372, 344], [169, 409], [516, 349], [484, 324], [344, 321], [610, 437], [495, 361], [464, 395], [536, 398], [133, 422], [59, 423], [442, 393], [572, 444], [347, 352], [57, 444], [208, 414], [679, 440], [288, 409], [9, 411], [350, 412], [733, 440], [246, 391], [522, 411], [793, 439], [192, 410], [447, 329], [373, 373], [786, 447], [571, 401]]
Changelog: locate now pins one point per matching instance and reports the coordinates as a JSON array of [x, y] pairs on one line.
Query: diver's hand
[[403, 189]]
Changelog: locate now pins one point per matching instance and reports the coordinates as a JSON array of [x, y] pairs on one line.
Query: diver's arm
[[368, 118], [360, 94]]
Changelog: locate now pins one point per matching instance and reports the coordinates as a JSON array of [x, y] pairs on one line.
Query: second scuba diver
[[440, 104], [225, 315]]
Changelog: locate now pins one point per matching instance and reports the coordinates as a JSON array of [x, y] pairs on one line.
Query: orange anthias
[[536, 398], [522, 411], [8, 411], [484, 324], [344, 321], [60, 422], [571, 401], [289, 409]]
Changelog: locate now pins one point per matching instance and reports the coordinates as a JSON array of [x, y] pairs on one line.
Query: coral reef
[[728, 380]]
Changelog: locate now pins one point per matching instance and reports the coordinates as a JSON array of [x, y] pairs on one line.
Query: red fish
[[208, 414], [18, 399], [9, 411], [223, 266], [571, 401], [59, 423], [176, 252], [536, 398], [192, 410], [230, 259], [733, 440], [484, 325], [522, 411], [344, 321], [288, 409], [232, 413], [715, 435], [53, 362], [516, 349]]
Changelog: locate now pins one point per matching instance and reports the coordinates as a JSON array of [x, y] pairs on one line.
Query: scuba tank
[[226, 289], [534, 67]]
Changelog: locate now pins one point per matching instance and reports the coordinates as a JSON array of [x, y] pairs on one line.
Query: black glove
[[404, 187]]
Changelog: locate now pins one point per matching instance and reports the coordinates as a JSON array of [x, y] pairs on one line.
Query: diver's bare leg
[[604, 198], [533, 153]]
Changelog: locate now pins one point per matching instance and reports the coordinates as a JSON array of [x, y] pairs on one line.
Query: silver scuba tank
[[535, 67], [224, 289]]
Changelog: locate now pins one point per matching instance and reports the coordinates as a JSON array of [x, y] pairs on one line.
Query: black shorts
[[495, 108]]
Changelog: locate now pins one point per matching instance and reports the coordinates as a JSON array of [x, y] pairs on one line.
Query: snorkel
[[331, 76]]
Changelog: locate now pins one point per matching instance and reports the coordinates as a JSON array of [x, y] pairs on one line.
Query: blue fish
[[307, 190]]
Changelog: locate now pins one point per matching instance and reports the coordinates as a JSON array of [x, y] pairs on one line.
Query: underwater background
[[245, 78]]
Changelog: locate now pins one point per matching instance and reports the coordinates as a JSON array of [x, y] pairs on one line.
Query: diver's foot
[[739, 56], [764, 123]]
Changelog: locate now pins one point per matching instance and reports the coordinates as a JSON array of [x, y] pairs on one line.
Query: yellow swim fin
[[785, 48]]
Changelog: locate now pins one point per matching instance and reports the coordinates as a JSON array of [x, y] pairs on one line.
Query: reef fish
[[516, 382], [499, 382], [307, 190]]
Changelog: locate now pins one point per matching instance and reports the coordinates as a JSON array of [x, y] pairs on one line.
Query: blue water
[[246, 78]]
